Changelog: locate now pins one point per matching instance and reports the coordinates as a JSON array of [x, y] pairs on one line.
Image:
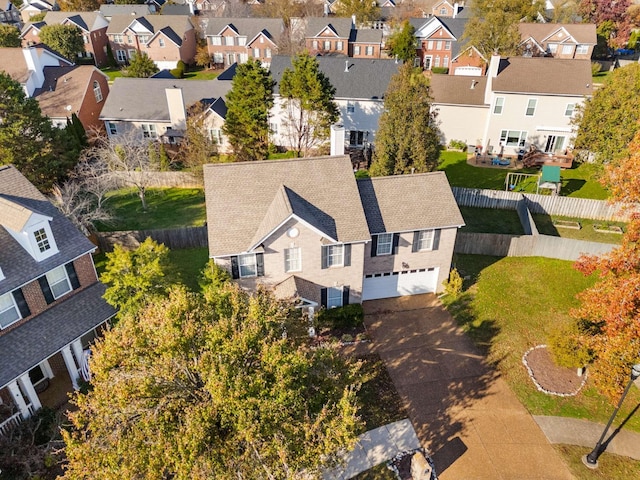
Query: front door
[[427, 62]]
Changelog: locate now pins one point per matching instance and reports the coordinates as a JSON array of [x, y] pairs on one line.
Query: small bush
[[362, 174], [566, 348], [458, 145], [342, 317], [441, 70], [453, 286], [595, 68]]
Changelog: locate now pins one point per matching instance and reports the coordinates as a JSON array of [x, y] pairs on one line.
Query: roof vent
[[473, 84], [346, 66]]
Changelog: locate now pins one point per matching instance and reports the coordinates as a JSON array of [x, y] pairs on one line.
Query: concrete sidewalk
[[374, 447]]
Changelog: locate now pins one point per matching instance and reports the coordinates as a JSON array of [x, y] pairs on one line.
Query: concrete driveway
[[462, 411]]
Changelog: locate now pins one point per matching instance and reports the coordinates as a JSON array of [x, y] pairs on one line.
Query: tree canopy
[[402, 43], [66, 39], [80, 5], [188, 389], [609, 120], [248, 104], [9, 36], [408, 137], [365, 11], [610, 18], [141, 66], [309, 102]]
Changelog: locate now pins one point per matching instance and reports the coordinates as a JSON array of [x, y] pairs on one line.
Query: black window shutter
[[260, 264], [416, 238], [46, 290], [345, 295], [347, 255], [374, 245], [324, 257], [396, 242], [73, 276], [436, 239], [18, 296], [235, 271], [323, 297]]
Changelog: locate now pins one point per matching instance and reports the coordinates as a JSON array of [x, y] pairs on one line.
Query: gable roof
[[246, 200], [144, 99], [341, 26], [18, 266], [178, 23], [456, 89], [13, 60], [368, 35], [544, 75], [175, 9], [85, 20], [365, 78], [14, 215], [388, 207], [583, 33], [249, 27], [109, 10]]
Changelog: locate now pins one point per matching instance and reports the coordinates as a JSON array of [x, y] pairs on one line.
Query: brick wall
[[90, 109]]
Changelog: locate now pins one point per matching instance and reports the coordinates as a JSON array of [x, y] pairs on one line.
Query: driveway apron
[[462, 410]]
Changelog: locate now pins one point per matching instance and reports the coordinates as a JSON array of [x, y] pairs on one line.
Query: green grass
[[601, 77], [487, 220], [512, 304], [112, 73], [282, 155], [609, 466], [378, 396], [545, 224], [201, 74], [166, 208], [379, 472]]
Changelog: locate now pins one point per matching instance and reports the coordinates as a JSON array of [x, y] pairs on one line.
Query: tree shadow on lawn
[[571, 185]]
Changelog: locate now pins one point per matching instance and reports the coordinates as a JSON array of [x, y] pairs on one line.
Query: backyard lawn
[[512, 304], [166, 208], [489, 220], [548, 225]]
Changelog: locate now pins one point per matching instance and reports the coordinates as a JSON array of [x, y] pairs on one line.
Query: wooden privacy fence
[[174, 238], [161, 179], [542, 204]]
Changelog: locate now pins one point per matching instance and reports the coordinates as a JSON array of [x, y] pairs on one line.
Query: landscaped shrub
[[178, 72], [342, 317], [566, 349], [440, 70], [595, 68], [458, 145], [453, 286]]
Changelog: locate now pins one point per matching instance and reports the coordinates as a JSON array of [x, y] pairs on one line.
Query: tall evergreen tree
[[248, 104], [141, 66], [408, 136], [309, 103]]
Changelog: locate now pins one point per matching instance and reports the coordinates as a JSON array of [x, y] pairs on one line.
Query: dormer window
[[42, 241]]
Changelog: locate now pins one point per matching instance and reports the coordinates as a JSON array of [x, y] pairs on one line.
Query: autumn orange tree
[[608, 320]]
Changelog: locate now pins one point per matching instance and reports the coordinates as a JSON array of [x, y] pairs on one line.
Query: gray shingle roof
[[17, 264], [40, 337], [84, 20], [145, 98], [109, 10], [248, 27], [403, 203], [178, 23], [368, 35], [456, 89], [342, 26], [366, 79], [240, 195]]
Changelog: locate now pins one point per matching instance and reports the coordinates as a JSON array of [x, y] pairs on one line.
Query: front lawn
[[201, 74], [112, 73], [166, 208], [512, 304]]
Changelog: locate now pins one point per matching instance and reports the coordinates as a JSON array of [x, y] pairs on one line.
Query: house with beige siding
[[308, 230], [558, 40]]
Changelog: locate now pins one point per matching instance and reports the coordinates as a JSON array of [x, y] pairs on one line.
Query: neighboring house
[[34, 7], [166, 39], [51, 305], [438, 40], [92, 25], [329, 35], [156, 109], [468, 62], [367, 43], [235, 40], [360, 88], [307, 229], [522, 102], [558, 40], [108, 10], [447, 9], [26, 65], [9, 14]]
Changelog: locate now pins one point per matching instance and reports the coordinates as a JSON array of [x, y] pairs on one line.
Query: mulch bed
[[549, 377]]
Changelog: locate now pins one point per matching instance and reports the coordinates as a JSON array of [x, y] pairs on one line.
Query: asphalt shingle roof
[[40, 337], [249, 27], [365, 78], [456, 89], [342, 26], [584, 33], [368, 35], [109, 10], [63, 87], [84, 20], [403, 203], [18, 266], [178, 23]]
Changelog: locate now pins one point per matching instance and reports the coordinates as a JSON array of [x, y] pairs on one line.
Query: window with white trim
[[447, 45], [273, 127], [356, 50], [436, 61], [85, 39], [113, 130], [42, 241], [334, 297], [424, 240], [513, 138], [267, 53], [335, 255], [58, 281], [315, 44], [216, 40], [385, 244], [568, 112], [369, 51], [582, 49], [149, 130], [129, 38], [430, 45], [498, 106], [531, 107], [292, 259], [256, 53], [216, 135], [9, 312], [117, 38], [339, 45], [552, 47], [161, 42], [242, 41], [439, 45], [445, 62], [218, 57], [567, 49], [327, 45], [351, 107], [121, 55], [228, 41], [143, 39], [356, 137], [97, 91], [247, 265]]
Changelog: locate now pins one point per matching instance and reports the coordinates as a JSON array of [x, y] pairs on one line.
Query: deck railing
[[13, 421]]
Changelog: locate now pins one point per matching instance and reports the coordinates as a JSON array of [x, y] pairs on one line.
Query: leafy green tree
[[402, 43], [141, 66], [66, 39], [609, 120], [613, 15], [202, 58], [248, 104], [190, 390], [136, 277], [9, 36], [408, 136], [79, 5], [365, 11], [41, 152], [198, 147], [309, 104], [493, 26]]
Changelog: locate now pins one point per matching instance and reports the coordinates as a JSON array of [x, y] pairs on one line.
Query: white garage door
[[397, 284]]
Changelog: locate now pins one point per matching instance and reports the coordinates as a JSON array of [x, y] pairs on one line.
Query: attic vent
[[473, 84], [346, 66]]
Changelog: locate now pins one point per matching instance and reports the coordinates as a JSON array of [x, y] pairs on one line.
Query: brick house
[[92, 25], [367, 43], [438, 40], [51, 305], [329, 35], [444, 8], [307, 229], [558, 40], [234, 40], [166, 39]]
